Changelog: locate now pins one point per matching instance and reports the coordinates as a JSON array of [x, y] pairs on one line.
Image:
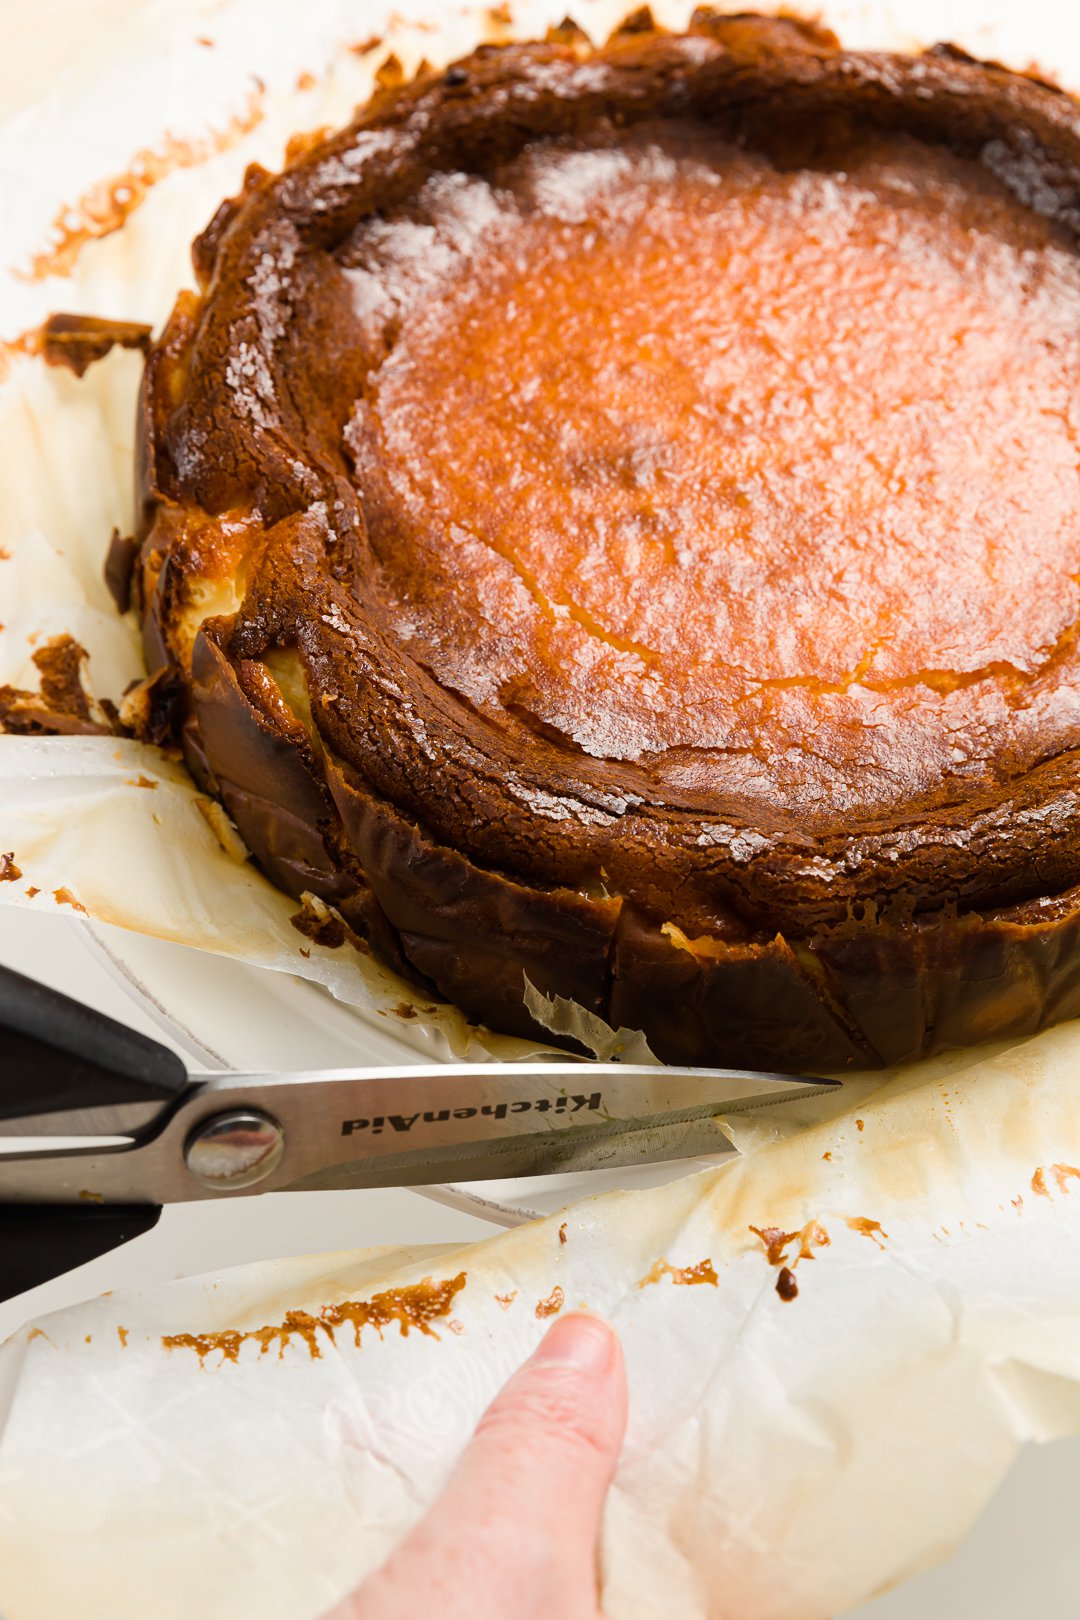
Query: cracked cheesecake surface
[[763, 478], [614, 515]]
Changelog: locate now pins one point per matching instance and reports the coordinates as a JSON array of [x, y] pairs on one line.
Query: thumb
[[514, 1534]]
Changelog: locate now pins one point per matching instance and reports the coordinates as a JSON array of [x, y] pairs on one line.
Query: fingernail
[[579, 1340]]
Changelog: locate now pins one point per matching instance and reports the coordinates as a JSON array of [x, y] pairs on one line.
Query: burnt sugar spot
[[107, 205], [775, 1240], [809, 1237], [506, 1300], [562, 1233], [9, 872], [786, 1285], [552, 1305], [681, 1276], [1061, 1174], [64, 897], [417, 1305], [786, 1249], [868, 1228]]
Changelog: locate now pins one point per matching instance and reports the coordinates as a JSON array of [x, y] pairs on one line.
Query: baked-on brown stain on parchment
[[686, 1276], [868, 1228], [552, 1305], [64, 897], [415, 1306], [104, 208], [786, 1286], [9, 872], [25, 343], [1062, 1174], [810, 1237]]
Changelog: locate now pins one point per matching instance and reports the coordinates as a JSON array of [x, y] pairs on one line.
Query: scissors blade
[[416, 1125]]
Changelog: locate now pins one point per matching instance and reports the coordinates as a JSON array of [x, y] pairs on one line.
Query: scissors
[[100, 1127]]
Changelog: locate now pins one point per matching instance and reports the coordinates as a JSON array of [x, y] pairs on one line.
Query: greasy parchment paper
[[784, 1459], [787, 1458]]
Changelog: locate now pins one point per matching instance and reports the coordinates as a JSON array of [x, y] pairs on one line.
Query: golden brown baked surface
[[615, 514], [762, 478]]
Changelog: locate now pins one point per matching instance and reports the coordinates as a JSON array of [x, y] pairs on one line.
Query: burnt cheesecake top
[[759, 479], [652, 471]]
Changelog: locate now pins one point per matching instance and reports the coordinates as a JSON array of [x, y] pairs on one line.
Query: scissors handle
[[57, 1055], [41, 1241]]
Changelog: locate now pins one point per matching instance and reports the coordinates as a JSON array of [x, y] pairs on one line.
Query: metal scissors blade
[[402, 1126], [121, 1128]]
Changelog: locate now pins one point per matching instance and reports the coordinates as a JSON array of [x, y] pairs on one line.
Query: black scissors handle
[[57, 1055], [41, 1241]]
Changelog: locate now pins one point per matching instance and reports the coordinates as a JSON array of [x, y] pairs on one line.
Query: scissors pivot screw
[[236, 1149]]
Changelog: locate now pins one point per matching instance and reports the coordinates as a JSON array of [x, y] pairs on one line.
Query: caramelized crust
[[616, 517]]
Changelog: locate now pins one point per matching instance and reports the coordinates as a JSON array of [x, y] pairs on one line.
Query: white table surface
[[1022, 1559]]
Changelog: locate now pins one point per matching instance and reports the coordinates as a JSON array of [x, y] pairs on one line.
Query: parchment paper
[[787, 1458]]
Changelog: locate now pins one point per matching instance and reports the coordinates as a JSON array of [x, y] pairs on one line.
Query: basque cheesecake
[[612, 519]]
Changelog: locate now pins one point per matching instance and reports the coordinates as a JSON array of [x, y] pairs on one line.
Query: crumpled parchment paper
[[787, 1457]]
